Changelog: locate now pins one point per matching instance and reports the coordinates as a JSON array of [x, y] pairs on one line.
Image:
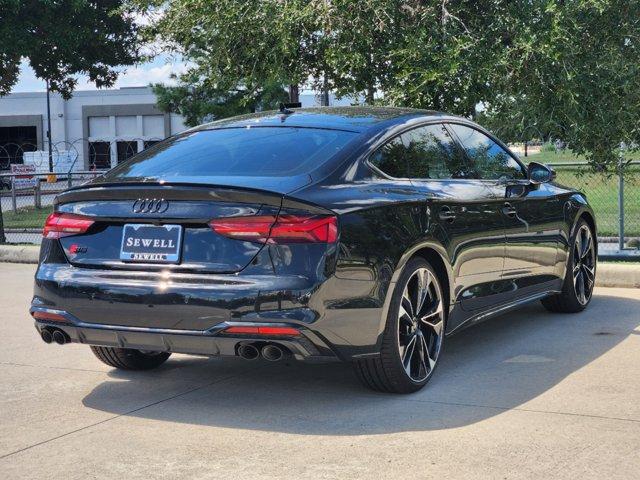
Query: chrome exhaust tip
[[59, 337], [46, 336], [273, 353], [248, 351]]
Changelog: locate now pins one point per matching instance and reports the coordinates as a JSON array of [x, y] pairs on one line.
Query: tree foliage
[[572, 71], [231, 42], [538, 68], [64, 38], [199, 102]]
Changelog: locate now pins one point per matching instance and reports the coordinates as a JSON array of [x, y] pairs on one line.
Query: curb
[[19, 253], [618, 275], [609, 274]]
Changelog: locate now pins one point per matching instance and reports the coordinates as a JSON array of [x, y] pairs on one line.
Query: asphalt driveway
[[526, 395]]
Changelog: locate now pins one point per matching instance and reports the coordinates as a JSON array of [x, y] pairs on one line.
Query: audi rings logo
[[150, 205]]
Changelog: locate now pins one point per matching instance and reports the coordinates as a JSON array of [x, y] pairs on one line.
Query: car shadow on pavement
[[486, 369]]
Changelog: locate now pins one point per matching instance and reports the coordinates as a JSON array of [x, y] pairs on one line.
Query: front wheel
[[129, 359], [413, 336], [580, 278]]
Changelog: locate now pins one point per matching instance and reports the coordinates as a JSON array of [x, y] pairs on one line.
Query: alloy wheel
[[420, 325], [584, 266]]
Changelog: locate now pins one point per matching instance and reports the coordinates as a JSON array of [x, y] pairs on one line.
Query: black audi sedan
[[362, 235]]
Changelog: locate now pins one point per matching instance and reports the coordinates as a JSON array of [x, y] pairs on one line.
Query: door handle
[[447, 214], [509, 210]]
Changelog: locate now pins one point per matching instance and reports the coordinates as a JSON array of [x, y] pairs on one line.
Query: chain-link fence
[[81, 154], [27, 188], [26, 200], [614, 197]]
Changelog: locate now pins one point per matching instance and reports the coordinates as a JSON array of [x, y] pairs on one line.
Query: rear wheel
[[413, 335], [580, 278], [129, 359]]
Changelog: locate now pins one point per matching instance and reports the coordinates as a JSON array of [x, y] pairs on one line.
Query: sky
[[159, 70]]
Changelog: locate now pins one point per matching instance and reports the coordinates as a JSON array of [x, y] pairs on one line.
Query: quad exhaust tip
[[59, 337], [46, 336], [248, 351], [271, 352], [50, 335]]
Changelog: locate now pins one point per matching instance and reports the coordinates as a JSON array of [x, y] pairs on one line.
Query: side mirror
[[539, 173]]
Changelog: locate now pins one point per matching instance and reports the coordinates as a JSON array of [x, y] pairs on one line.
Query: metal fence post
[[621, 203], [2, 237], [36, 195], [14, 203]]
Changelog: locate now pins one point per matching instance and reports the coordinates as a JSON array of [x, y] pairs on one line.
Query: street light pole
[[49, 129]]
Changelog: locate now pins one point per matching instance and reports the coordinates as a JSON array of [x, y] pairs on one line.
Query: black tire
[[387, 373], [569, 300], [129, 359]]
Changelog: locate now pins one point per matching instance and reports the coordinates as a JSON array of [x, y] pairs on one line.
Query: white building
[[93, 129], [102, 126]]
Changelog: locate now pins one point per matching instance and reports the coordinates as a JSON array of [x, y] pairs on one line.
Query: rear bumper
[[213, 342], [173, 301], [186, 312]]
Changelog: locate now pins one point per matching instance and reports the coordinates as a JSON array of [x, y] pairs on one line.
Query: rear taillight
[[48, 316], [267, 331], [60, 225], [283, 229]]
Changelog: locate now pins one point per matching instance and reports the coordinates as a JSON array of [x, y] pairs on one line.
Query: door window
[[489, 161], [433, 154]]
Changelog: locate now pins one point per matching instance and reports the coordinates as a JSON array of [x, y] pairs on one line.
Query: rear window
[[233, 152]]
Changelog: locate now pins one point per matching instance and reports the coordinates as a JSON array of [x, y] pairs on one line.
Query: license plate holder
[[146, 243]]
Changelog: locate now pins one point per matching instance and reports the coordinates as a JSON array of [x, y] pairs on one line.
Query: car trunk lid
[[140, 226]]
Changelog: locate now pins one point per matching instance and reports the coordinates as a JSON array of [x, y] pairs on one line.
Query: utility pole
[[49, 129]]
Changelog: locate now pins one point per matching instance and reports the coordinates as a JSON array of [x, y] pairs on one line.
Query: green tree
[[357, 45], [198, 101], [572, 71], [563, 69], [448, 55], [64, 38], [230, 43]]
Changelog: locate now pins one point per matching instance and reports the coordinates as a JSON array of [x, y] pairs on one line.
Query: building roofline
[[82, 93]]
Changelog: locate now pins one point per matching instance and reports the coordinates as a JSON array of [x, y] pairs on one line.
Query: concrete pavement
[[526, 395]]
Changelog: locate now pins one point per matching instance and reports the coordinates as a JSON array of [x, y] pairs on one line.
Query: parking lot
[[526, 395]]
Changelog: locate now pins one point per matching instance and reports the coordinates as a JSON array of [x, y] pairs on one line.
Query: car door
[[532, 213], [462, 209]]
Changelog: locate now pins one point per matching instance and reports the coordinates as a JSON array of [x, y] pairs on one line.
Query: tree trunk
[[369, 95], [294, 95], [324, 97]]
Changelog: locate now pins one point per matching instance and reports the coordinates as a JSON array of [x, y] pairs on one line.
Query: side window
[[391, 159], [489, 160], [432, 153]]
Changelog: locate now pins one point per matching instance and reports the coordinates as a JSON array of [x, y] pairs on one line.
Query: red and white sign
[[24, 176]]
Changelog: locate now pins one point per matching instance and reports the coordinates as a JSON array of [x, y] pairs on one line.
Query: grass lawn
[[26, 217], [601, 191], [565, 156]]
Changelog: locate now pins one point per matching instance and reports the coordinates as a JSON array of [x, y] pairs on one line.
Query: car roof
[[355, 119]]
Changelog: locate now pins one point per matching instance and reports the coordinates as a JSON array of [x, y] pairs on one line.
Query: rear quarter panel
[[381, 222]]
